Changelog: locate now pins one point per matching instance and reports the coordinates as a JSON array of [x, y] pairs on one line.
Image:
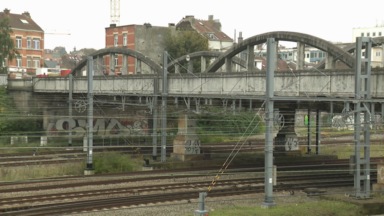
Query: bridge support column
[[125, 65], [203, 64], [99, 66], [286, 141], [277, 56], [186, 145], [300, 56], [111, 64], [250, 58], [177, 68], [228, 64], [329, 62]]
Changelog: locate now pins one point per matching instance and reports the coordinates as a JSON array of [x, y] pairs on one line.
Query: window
[[368, 34], [29, 43], [363, 54], [36, 43], [18, 62], [378, 54], [290, 54], [29, 62], [116, 38], [307, 55], [312, 55], [36, 62], [24, 21], [212, 36], [374, 34], [18, 42], [362, 34], [125, 39], [379, 33], [116, 60]]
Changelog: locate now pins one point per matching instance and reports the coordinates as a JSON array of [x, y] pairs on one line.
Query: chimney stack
[[171, 24], [210, 17], [189, 16], [240, 38], [26, 14], [6, 11]]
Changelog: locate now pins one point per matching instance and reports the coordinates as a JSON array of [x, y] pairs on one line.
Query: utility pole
[[164, 108], [89, 170], [70, 112], [268, 173]]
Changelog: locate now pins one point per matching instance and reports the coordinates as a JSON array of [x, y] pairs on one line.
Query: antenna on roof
[[115, 12]]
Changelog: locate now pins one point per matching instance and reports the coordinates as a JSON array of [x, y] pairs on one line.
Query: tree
[[7, 45], [183, 43]]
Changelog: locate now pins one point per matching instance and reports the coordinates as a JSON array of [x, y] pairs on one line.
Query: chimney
[[171, 24], [6, 11], [210, 17], [26, 14], [217, 25], [240, 38], [189, 16]]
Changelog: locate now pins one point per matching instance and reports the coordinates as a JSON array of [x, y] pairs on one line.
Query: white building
[[377, 59]]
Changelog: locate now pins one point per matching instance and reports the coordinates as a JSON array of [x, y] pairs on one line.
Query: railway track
[[224, 188]]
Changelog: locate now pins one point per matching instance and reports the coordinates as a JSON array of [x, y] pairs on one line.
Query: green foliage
[[212, 128], [112, 162], [7, 46], [186, 42], [12, 119]]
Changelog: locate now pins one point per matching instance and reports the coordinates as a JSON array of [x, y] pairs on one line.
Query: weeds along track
[[65, 201]]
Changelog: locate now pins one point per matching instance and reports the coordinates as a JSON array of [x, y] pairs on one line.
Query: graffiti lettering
[[192, 147], [291, 143], [111, 127]]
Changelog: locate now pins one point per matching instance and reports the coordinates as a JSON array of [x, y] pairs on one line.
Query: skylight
[[24, 21], [201, 23]]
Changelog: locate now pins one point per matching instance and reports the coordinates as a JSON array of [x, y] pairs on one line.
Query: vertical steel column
[[382, 113], [309, 133], [318, 131], [70, 110], [155, 117], [268, 181], [90, 112], [250, 105], [164, 108], [362, 91]]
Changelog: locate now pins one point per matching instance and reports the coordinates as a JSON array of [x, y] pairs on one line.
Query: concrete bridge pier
[[203, 64], [112, 64], [228, 64], [286, 141], [250, 58], [124, 70], [300, 56], [99, 66], [186, 145], [329, 61]]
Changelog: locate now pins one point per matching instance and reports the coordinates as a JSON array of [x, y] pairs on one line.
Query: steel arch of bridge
[[351, 49], [313, 41], [124, 51], [207, 54]]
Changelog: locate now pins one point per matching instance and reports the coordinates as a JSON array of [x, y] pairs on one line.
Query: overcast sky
[[86, 20]]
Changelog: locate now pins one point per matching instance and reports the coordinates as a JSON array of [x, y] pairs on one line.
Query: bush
[[112, 162]]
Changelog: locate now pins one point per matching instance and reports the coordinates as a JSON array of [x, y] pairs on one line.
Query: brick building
[[29, 40], [146, 39]]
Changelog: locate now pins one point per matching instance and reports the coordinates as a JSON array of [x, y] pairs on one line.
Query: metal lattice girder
[[362, 109]]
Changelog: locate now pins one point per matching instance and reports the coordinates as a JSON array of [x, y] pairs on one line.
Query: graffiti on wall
[[348, 123], [102, 127], [291, 144], [192, 147]]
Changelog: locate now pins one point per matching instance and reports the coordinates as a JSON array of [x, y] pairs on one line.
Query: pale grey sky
[[86, 20]]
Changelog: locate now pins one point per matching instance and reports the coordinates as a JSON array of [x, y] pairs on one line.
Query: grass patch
[[343, 151], [40, 171], [322, 207]]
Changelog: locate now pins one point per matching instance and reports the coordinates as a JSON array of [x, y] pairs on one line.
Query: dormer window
[[212, 36]]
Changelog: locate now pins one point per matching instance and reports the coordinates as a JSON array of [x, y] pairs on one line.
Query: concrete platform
[[372, 206]]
